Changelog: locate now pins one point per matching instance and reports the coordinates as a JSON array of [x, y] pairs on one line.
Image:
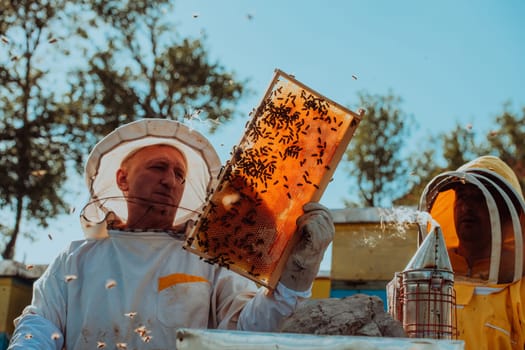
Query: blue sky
[[450, 61]]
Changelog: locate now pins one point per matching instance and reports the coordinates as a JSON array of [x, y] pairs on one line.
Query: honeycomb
[[286, 157]]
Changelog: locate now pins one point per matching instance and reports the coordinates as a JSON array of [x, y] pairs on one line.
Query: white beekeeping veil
[[107, 201]]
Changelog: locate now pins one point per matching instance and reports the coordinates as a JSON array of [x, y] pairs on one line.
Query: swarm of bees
[[286, 157]]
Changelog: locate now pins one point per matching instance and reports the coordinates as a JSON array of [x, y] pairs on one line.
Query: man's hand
[[316, 230]]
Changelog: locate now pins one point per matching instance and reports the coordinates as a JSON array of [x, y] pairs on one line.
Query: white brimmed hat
[[107, 200]]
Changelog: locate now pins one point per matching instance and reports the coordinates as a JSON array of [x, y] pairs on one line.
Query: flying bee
[[146, 339], [111, 284], [141, 331], [130, 314], [39, 172], [69, 278]]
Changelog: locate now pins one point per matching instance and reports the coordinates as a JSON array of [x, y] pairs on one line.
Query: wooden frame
[[286, 158]]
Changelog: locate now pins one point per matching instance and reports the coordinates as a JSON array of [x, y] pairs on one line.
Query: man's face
[[153, 181], [471, 214]]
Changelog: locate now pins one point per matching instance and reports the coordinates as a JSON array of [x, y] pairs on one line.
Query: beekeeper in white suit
[[129, 284]]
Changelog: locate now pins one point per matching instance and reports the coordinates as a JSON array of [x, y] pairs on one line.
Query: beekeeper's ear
[[122, 179]]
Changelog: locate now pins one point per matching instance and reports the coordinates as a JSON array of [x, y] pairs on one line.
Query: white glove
[[316, 230]]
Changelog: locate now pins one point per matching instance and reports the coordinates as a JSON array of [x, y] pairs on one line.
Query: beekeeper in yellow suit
[[481, 211]]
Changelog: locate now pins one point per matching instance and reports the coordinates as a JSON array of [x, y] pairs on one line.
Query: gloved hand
[[316, 230]]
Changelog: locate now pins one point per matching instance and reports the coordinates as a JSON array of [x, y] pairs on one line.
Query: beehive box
[[371, 244], [286, 157]]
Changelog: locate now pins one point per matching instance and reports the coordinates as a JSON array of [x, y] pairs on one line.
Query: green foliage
[[147, 72], [387, 175], [461, 145], [114, 62], [34, 143], [457, 147], [424, 167], [509, 141], [375, 154]]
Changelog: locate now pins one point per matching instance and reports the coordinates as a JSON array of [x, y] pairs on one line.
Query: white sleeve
[[41, 324], [34, 332], [267, 311]]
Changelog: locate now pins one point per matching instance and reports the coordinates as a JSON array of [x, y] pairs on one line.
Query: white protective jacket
[[132, 290]]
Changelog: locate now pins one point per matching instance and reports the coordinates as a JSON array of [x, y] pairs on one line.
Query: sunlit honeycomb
[[285, 159]]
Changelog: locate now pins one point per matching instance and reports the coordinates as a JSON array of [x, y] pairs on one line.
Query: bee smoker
[[422, 297]]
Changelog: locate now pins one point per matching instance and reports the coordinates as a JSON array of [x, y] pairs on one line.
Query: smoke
[[194, 122], [402, 218]]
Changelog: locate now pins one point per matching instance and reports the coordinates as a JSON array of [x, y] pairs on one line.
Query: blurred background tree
[[507, 140], [464, 143], [35, 139], [457, 147], [72, 71], [143, 69], [375, 155]]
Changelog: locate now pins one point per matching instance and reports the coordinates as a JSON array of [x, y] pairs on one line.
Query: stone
[[358, 315]]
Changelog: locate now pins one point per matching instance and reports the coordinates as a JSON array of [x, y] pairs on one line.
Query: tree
[[375, 155], [457, 147], [424, 168], [462, 144], [145, 70], [35, 139], [509, 141], [126, 67]]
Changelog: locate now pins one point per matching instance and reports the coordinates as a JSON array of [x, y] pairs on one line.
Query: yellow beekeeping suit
[[490, 294]]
